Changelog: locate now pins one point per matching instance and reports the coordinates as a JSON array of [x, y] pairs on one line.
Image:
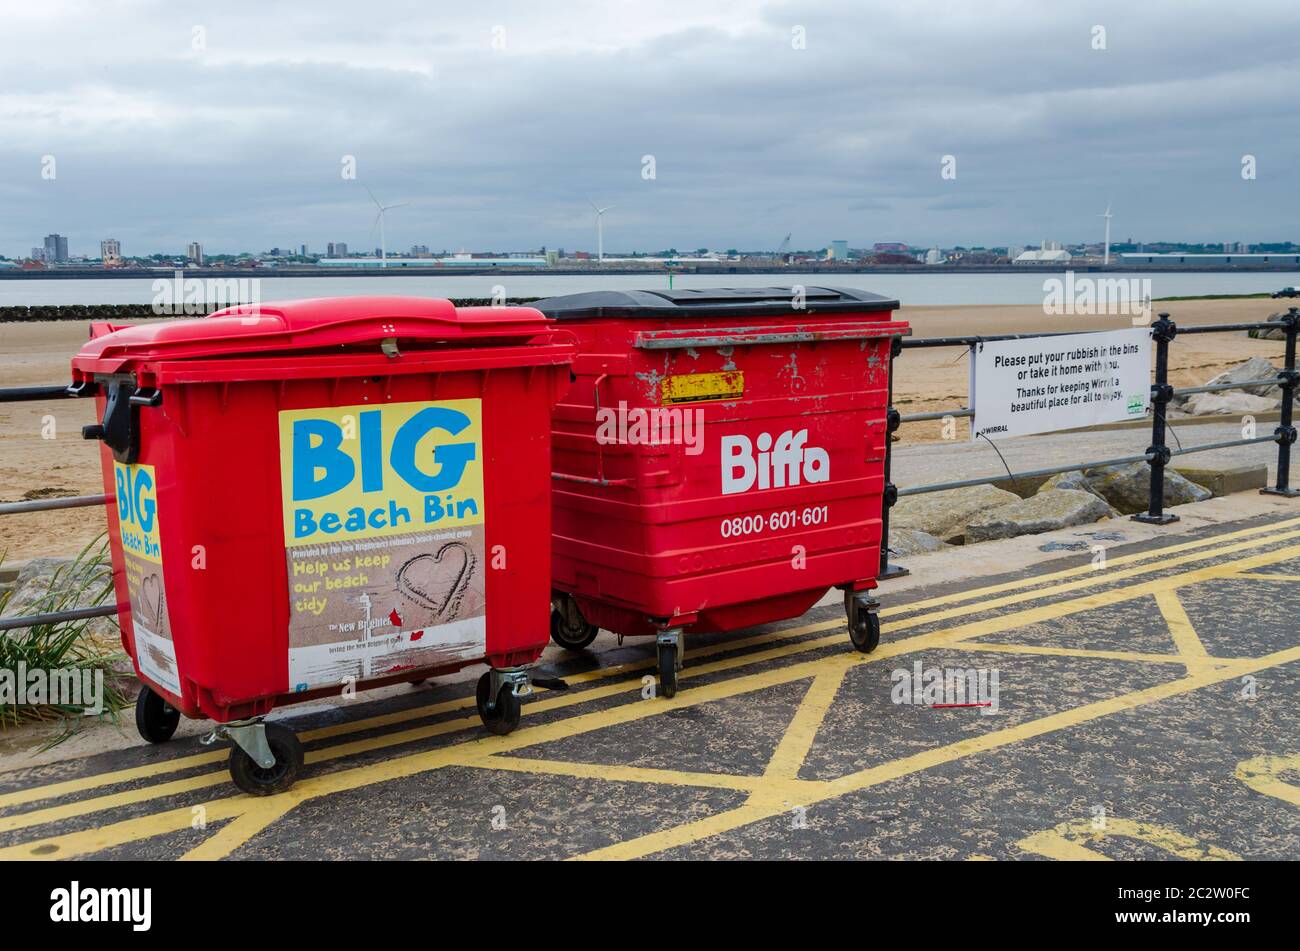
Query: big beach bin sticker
[[383, 532], [136, 487]]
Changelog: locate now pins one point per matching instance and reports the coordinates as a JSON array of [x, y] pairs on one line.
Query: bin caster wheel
[[504, 716], [155, 718], [571, 636], [864, 626], [257, 781], [667, 671]]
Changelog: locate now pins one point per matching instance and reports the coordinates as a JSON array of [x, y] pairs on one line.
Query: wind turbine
[[379, 220], [1107, 216], [600, 228]]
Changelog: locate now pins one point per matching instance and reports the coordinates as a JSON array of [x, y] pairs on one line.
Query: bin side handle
[[600, 451], [678, 339]]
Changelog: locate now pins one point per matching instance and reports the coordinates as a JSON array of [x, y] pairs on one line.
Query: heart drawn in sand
[[437, 582], [151, 601]]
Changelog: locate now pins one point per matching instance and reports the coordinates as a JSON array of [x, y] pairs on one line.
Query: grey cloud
[[240, 146]]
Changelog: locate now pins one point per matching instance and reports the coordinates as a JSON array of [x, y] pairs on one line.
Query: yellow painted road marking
[[576, 725], [114, 777], [889, 649], [766, 801], [181, 763], [1264, 775], [874, 776], [1110, 577], [802, 731], [621, 774], [1065, 842], [1080, 652], [175, 765], [1189, 645], [239, 830], [1163, 552], [1268, 577]]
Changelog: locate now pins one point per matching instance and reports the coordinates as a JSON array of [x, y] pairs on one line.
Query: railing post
[[1162, 332], [890, 495], [1286, 432]]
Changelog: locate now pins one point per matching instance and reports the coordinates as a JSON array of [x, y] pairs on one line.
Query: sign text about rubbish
[[1044, 384]]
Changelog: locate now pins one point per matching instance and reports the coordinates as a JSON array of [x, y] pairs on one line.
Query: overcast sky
[[496, 120]]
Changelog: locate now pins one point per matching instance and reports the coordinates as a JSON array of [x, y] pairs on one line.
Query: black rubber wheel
[[155, 718], [569, 637], [667, 671], [864, 630], [504, 716], [255, 780]]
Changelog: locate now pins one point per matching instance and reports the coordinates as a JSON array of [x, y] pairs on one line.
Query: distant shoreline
[[88, 273]]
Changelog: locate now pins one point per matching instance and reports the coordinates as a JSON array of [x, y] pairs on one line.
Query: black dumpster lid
[[711, 301]]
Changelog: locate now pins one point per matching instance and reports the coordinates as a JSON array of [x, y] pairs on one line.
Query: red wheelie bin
[[324, 495], [719, 461]]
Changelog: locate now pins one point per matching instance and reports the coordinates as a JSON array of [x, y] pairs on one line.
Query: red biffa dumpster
[[719, 461], [320, 495]]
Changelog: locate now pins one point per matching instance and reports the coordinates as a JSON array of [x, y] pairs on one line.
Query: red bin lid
[[317, 325]]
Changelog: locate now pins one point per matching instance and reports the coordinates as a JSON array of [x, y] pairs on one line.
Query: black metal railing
[[1164, 331], [1158, 455]]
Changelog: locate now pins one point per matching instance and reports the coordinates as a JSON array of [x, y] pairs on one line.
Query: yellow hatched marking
[[478, 753], [874, 776], [1264, 775], [802, 731], [1080, 652], [1065, 842], [99, 780], [1213, 540], [238, 831], [1190, 648]]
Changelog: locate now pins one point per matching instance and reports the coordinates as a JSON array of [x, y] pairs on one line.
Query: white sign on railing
[[1045, 384]]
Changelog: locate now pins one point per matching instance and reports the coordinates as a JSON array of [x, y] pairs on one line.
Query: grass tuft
[[86, 581]]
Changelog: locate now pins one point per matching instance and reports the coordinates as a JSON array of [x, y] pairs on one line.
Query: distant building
[[934, 256], [1044, 256], [110, 251], [1175, 259], [38, 254], [839, 251], [336, 249], [195, 253], [884, 246], [56, 248], [456, 260], [302, 250]]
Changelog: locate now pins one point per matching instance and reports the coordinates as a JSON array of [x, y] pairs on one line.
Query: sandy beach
[[926, 381]]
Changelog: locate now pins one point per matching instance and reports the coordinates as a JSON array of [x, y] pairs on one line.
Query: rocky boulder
[[56, 584], [1278, 334], [945, 515], [1232, 402], [910, 541], [1045, 511], [1128, 487], [1078, 482]]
